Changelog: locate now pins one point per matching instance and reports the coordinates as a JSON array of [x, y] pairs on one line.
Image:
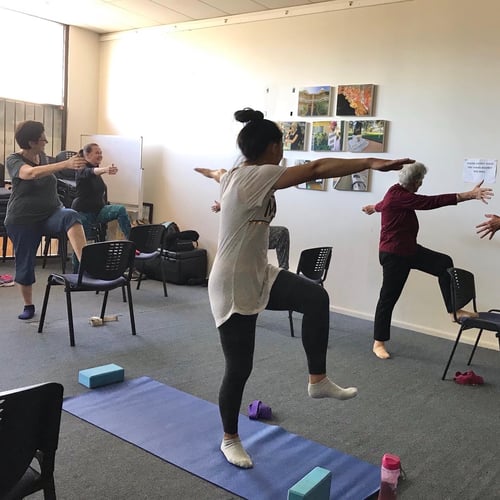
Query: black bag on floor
[[179, 241], [183, 263]]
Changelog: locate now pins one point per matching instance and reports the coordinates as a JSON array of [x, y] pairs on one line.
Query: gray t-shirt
[[241, 278], [33, 200]]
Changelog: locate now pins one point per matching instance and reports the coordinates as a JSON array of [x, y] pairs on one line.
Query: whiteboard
[[124, 188]]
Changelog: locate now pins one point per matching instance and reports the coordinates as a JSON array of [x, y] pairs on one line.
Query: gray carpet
[[446, 434]]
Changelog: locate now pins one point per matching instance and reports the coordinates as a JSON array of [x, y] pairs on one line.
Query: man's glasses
[[42, 139]]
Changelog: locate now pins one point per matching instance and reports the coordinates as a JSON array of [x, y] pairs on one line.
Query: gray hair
[[412, 174]]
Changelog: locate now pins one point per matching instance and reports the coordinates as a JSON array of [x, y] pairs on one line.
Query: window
[[32, 54]]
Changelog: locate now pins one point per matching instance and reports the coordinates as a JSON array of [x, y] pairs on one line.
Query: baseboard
[[487, 341]]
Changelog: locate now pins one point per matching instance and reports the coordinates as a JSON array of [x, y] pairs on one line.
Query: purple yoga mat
[[186, 431]]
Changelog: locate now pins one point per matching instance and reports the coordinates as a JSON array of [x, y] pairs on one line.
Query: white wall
[[83, 85], [436, 67]]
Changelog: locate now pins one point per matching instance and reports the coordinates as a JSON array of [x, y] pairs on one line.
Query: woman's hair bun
[[248, 115]]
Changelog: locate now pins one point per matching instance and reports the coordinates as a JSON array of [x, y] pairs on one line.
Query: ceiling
[[108, 16]]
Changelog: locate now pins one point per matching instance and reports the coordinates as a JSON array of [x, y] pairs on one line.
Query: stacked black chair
[[4, 199]]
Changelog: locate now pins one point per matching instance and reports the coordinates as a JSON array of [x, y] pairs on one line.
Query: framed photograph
[[315, 101], [355, 100], [315, 185], [354, 182], [294, 135], [365, 136], [147, 212], [327, 136]]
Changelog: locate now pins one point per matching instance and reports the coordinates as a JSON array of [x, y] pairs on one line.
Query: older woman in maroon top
[[399, 251]]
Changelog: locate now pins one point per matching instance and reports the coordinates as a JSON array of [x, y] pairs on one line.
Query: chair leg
[[70, 318], [163, 278], [104, 304], [290, 319], [131, 309], [475, 346], [44, 307], [4, 247], [45, 252], [451, 355], [139, 279], [63, 250], [49, 492]]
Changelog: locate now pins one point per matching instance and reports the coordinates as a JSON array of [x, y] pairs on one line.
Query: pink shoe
[[6, 280], [468, 378]]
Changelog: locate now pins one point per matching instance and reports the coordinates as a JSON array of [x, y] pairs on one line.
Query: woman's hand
[[112, 169], [489, 227], [386, 165], [76, 162], [215, 207], [368, 209], [480, 193]]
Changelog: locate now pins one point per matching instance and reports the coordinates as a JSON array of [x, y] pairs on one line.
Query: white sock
[[235, 453], [327, 389]]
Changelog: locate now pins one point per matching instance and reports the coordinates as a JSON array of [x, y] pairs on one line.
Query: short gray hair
[[412, 174]]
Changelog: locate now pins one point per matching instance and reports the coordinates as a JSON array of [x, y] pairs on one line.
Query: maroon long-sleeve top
[[399, 226]]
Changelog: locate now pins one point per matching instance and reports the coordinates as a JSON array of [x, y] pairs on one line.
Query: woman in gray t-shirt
[[34, 208], [242, 283]]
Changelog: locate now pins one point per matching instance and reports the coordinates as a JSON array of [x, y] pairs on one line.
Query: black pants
[[237, 336], [396, 269]]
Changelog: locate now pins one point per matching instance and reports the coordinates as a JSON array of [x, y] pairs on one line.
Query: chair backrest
[[4, 199], [147, 237], [67, 173], [29, 421], [463, 289], [314, 263], [107, 260]]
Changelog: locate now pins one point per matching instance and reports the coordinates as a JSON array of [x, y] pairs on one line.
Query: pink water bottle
[[389, 475]]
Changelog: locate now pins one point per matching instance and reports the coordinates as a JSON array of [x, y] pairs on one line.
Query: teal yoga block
[[101, 375], [313, 486]]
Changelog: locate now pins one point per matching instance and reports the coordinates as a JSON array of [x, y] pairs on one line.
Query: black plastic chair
[[313, 265], [29, 429], [4, 199], [463, 292], [148, 239], [103, 268]]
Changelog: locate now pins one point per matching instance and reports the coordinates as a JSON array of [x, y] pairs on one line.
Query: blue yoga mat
[[186, 431]]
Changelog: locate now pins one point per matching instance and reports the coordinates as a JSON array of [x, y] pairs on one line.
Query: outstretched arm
[[324, 168], [478, 193], [489, 227], [211, 174], [27, 172]]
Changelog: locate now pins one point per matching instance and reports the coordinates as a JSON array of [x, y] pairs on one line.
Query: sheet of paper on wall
[[479, 169]]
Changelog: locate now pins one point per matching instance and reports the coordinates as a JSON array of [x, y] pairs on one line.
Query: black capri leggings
[[237, 336]]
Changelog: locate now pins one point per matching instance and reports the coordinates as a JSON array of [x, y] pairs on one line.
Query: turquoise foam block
[[313, 486], [101, 375]]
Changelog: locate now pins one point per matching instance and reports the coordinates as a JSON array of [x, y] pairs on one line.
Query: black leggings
[[396, 269], [237, 336]]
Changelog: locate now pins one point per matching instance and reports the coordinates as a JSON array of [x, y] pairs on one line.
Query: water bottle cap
[[391, 462]]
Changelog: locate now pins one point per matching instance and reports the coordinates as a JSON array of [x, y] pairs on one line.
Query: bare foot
[[380, 351], [462, 313]]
